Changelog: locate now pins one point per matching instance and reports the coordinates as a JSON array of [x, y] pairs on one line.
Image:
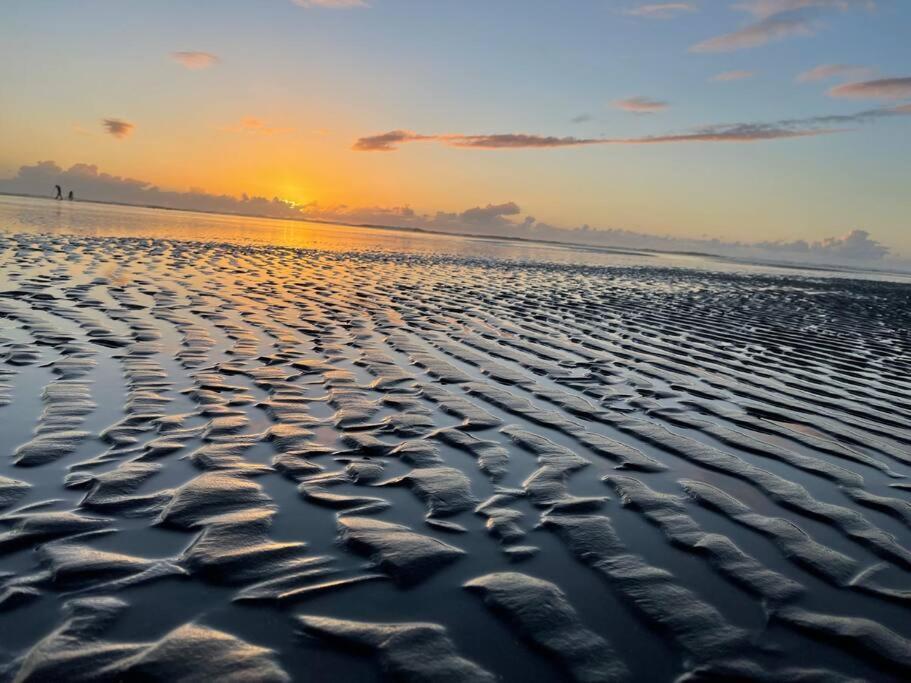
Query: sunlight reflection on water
[[29, 214]]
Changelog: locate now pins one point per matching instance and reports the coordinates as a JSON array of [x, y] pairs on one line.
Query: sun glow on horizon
[[370, 112]]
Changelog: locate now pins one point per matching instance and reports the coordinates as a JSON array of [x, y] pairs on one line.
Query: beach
[[334, 454]]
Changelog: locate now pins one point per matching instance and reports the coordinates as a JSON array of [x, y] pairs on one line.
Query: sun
[[293, 194]]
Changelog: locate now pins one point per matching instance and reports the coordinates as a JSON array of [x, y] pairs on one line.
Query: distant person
[[70, 196], [59, 192]]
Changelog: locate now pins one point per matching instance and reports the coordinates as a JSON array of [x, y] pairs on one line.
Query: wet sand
[[254, 462]]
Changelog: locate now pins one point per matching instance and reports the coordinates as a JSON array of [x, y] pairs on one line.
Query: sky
[[780, 122]]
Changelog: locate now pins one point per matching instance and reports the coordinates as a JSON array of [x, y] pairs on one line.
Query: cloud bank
[[505, 219], [857, 245], [87, 182]]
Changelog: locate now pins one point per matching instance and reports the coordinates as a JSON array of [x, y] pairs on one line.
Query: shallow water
[[38, 215], [300, 437]]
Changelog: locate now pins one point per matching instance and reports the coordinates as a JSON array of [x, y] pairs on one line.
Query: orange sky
[[280, 93]]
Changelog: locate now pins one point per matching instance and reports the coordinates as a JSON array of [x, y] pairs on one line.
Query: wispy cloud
[[767, 8], [739, 132], [513, 141], [195, 60], [661, 10], [733, 76], [759, 33], [825, 72], [776, 20], [879, 89], [728, 132], [387, 142], [581, 118], [253, 125], [118, 128], [640, 105], [331, 4]]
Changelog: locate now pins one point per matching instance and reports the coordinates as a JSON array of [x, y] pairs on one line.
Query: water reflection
[[29, 214]]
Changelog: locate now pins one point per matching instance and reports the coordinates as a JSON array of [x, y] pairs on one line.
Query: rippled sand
[[254, 463]]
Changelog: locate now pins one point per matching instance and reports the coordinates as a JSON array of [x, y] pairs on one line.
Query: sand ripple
[[229, 462]]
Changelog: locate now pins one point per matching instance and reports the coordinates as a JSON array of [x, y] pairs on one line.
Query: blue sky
[[317, 78]]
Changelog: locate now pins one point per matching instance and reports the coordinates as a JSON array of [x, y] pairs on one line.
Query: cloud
[[504, 219], [776, 20], [386, 142], [640, 105], [119, 129], [880, 89], [663, 10], [733, 76], [512, 141], [854, 246], [767, 8], [857, 247], [860, 117], [491, 212], [389, 142], [741, 132], [581, 118], [253, 125], [728, 132], [825, 72], [331, 4], [195, 60], [769, 29], [87, 182], [737, 132]]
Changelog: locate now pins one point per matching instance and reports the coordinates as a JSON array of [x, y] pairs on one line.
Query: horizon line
[[643, 251]]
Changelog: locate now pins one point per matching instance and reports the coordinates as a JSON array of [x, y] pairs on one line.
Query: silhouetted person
[[59, 192], [70, 196]]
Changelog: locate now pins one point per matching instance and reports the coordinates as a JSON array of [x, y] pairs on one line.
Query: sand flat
[[648, 472]]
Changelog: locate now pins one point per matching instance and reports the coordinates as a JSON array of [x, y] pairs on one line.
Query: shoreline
[[374, 226], [647, 252]]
